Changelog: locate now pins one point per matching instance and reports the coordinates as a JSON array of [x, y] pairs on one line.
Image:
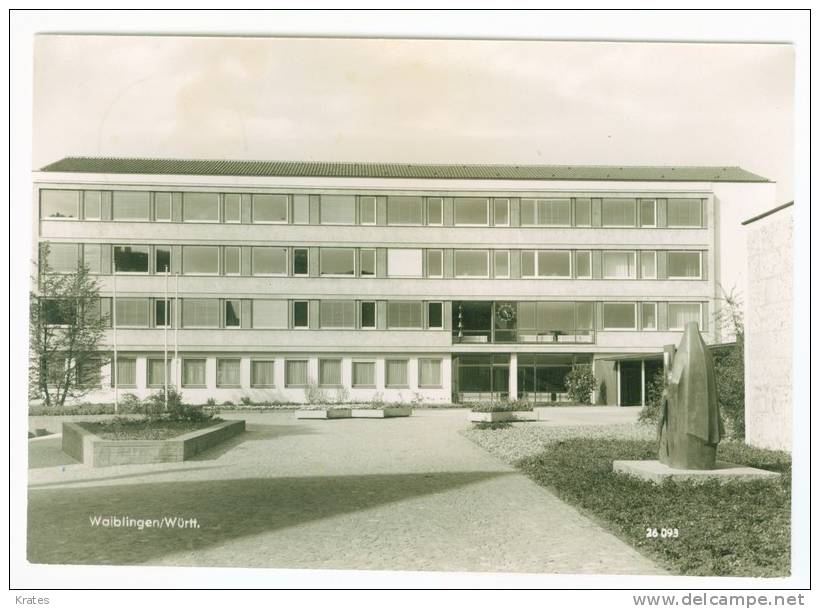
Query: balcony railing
[[555, 337]]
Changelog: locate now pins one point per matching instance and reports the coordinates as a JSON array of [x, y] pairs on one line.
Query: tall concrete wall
[[768, 328]]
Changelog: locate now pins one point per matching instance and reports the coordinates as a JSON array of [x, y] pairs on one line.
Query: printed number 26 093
[[663, 533]]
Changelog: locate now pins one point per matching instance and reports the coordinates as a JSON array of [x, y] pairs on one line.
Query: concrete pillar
[[643, 382], [513, 382]]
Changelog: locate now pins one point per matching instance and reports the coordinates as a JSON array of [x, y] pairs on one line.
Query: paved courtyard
[[395, 494]]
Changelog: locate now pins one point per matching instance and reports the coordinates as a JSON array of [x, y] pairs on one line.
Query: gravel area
[[528, 439]]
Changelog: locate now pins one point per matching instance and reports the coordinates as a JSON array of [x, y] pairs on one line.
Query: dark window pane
[[131, 258], [300, 262], [300, 314], [232, 308], [59, 312], [434, 315], [368, 315], [163, 259]]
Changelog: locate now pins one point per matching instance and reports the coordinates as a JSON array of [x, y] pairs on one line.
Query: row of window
[[262, 373], [543, 316], [361, 262], [145, 206]]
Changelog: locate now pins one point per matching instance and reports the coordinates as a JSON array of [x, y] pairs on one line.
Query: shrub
[[313, 394], [377, 401], [129, 404], [654, 393], [501, 406], [493, 425], [731, 391], [246, 401], [210, 402], [580, 383], [341, 396], [227, 403], [154, 407]]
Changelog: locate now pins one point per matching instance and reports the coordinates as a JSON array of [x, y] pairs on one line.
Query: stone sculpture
[[690, 426]]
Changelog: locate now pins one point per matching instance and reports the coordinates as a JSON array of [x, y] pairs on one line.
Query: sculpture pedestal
[[657, 472]]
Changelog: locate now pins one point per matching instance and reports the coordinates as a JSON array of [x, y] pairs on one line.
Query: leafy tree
[[729, 365], [580, 383], [66, 327]]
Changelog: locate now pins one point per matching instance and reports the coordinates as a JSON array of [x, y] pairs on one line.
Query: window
[[618, 265], [501, 212], [193, 373], [92, 258], [233, 208], [583, 315], [330, 372], [200, 313], [618, 212], [338, 209], [367, 210], [63, 204], [546, 317], [269, 209], [434, 263], [296, 373], [130, 258], [471, 211], [545, 263], [125, 373], [364, 374], [63, 257], [435, 315], [649, 316], [162, 259], [681, 313], [395, 372], [301, 209], [300, 261], [684, 213], [368, 313], [337, 261], [583, 212], [337, 314], [434, 211], [200, 260], [92, 205], [132, 312], [98, 309], [583, 264], [59, 311], [270, 314], [367, 263], [404, 263], [300, 314], [233, 314], [649, 265], [501, 263], [471, 263], [404, 314], [162, 206], [131, 205], [160, 317], [262, 373], [429, 373], [545, 212], [619, 315], [404, 210], [227, 373], [157, 371], [683, 265], [233, 257], [200, 207], [648, 212], [269, 261]]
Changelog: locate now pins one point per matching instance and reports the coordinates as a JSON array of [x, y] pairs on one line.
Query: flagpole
[[166, 321], [114, 325], [176, 331]]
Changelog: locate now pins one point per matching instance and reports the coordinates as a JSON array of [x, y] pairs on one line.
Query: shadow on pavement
[[48, 453], [103, 478], [60, 532], [253, 433]]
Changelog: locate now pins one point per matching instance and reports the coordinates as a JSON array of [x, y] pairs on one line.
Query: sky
[[430, 101]]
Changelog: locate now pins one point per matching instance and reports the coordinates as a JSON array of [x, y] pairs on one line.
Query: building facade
[[275, 281], [769, 326]]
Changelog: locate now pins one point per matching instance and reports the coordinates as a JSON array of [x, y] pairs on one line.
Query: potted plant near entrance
[[497, 411]]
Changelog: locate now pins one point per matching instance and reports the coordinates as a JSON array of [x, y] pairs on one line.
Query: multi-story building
[[433, 282]]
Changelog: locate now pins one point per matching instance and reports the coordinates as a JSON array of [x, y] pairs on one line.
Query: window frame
[[114, 260], [683, 302], [76, 256], [321, 361], [238, 311], [325, 250], [85, 195], [326, 302], [225, 261], [440, 303], [219, 312], [360, 320], [360, 266], [589, 257], [116, 318], [622, 329], [506, 203], [427, 202], [634, 212], [238, 362], [486, 274], [440, 254], [77, 212], [163, 219], [387, 383], [200, 273], [669, 275], [536, 265], [256, 248], [200, 221], [148, 380], [684, 226], [293, 261], [406, 328], [307, 372], [486, 211], [654, 263], [114, 218], [440, 372], [362, 200], [353, 383], [391, 275], [307, 315], [269, 194], [254, 304], [116, 364], [225, 208], [538, 223], [186, 360], [654, 213], [167, 312], [421, 215], [496, 253], [261, 360], [654, 327], [352, 221], [633, 265]]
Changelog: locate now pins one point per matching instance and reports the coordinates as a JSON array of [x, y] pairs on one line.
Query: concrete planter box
[[498, 417], [325, 413], [94, 451], [381, 413]]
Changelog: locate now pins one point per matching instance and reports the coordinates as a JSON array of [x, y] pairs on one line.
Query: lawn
[[144, 429], [736, 529]]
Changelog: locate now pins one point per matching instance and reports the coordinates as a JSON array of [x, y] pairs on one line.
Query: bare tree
[[67, 321]]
